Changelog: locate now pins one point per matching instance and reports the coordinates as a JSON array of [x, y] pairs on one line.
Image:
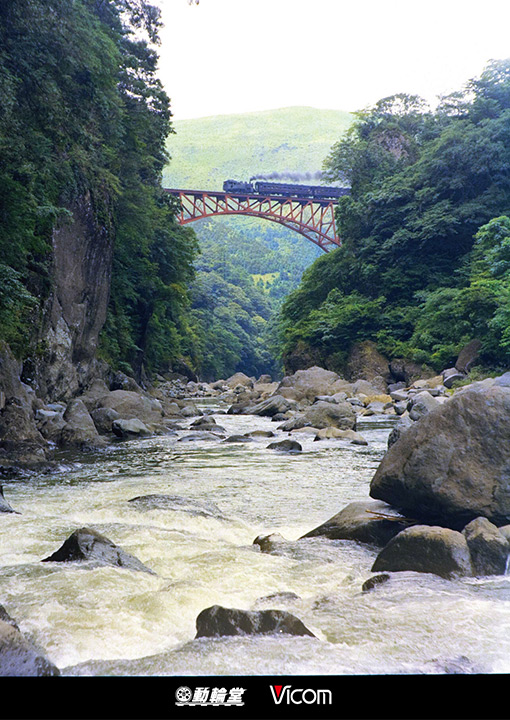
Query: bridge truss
[[314, 219]]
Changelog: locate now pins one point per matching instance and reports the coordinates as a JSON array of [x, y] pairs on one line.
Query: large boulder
[[130, 404], [274, 405], [325, 414], [129, 429], [217, 621], [86, 544], [103, 419], [237, 379], [308, 384], [426, 549], [372, 522], [79, 429], [452, 465]]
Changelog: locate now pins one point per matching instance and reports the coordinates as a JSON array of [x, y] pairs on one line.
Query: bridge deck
[[313, 218]]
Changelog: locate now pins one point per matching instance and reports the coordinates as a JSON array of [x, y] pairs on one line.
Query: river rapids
[[116, 622]]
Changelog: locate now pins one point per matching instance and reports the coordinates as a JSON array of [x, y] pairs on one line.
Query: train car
[[328, 193], [319, 192]]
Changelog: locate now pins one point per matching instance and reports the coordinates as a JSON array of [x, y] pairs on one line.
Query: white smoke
[[289, 175]]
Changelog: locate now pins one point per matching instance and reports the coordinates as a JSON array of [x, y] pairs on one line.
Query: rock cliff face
[[76, 309]]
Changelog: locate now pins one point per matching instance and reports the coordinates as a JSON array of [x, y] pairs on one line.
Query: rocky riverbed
[[276, 516]]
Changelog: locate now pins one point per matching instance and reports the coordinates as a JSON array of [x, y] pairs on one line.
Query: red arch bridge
[[312, 218]]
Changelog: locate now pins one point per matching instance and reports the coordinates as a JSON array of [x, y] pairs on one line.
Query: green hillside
[[209, 150]]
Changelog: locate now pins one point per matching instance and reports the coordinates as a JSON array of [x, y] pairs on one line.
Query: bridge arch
[[313, 219]]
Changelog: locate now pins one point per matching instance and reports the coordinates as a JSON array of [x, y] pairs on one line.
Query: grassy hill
[[207, 151]]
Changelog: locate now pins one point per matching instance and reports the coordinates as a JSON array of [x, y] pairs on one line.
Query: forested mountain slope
[[425, 264]]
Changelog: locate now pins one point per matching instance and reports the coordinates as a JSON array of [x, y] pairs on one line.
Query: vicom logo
[[299, 696]]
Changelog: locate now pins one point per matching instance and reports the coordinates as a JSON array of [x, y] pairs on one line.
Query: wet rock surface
[[87, 544], [426, 549], [368, 521], [18, 656], [218, 621]]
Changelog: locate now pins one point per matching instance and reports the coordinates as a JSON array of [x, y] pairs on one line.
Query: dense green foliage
[[232, 309], [423, 267], [83, 115]]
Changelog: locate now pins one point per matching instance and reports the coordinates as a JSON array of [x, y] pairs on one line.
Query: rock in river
[[371, 522], [453, 464], [5, 507], [86, 544], [489, 548], [426, 549], [289, 446], [217, 621], [18, 656]]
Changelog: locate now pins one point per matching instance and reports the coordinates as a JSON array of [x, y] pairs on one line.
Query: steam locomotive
[[317, 192]]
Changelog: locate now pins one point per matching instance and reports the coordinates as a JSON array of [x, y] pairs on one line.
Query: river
[[112, 621]]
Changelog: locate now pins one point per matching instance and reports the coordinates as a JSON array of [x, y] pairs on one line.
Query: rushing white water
[[112, 621]]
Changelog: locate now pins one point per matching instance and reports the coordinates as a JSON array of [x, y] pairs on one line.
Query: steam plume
[[289, 175]]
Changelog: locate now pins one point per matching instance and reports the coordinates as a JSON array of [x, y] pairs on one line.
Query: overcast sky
[[235, 56]]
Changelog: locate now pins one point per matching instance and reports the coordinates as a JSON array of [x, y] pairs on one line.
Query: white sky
[[235, 56]]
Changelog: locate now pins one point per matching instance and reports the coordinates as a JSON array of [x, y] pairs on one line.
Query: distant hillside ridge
[[207, 151]]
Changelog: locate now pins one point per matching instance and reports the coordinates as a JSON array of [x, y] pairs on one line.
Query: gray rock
[[79, 430], [290, 446], [217, 621], [369, 521], [296, 422], [314, 381], [5, 507], [267, 543], [272, 406], [86, 544], [401, 426], [468, 356], [450, 376], [126, 429], [399, 395], [489, 548], [130, 404], [452, 465], [426, 549], [18, 656], [400, 407], [503, 380], [238, 439], [260, 434], [421, 404], [103, 419], [325, 414], [201, 436], [351, 436]]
